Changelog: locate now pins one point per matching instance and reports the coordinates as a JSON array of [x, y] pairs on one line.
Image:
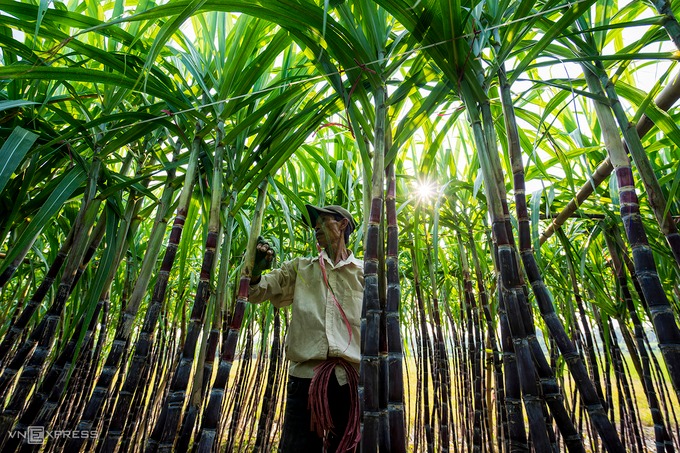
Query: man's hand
[[264, 257]]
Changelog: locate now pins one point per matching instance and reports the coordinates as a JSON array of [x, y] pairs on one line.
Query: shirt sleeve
[[277, 286]]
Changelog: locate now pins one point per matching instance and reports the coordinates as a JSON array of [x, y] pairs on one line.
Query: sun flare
[[425, 190]]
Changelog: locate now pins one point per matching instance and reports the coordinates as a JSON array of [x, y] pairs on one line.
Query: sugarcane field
[[340, 225]]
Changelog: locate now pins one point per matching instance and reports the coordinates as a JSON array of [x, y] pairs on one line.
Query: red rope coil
[[322, 421]]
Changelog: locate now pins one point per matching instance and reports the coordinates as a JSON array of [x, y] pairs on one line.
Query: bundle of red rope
[[322, 421]]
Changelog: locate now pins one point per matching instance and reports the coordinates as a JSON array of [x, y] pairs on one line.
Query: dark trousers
[[297, 435]]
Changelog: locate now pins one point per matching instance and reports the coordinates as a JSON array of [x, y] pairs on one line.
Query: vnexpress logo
[[35, 435]]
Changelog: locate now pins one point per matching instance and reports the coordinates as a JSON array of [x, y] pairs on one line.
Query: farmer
[[323, 344]]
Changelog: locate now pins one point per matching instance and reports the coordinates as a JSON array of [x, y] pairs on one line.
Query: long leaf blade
[[73, 179], [13, 152]]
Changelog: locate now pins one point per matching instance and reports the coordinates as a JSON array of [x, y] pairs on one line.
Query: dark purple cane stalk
[[473, 356], [585, 386], [237, 402], [14, 265], [441, 372], [507, 268], [22, 321], [54, 381], [501, 413], [45, 330], [116, 253], [661, 312], [213, 410], [76, 262], [57, 374], [145, 340], [110, 369], [655, 196], [76, 242], [395, 378], [371, 311], [426, 356], [516, 438], [269, 398], [663, 441], [628, 416], [171, 415], [664, 101]]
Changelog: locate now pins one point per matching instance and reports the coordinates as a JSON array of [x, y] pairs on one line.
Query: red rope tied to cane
[[322, 421]]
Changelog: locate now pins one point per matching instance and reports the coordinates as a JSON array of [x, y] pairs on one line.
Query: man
[[323, 344]]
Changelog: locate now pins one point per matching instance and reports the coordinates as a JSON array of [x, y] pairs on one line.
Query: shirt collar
[[351, 259]]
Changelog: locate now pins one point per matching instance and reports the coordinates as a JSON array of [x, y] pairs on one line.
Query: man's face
[[329, 232]]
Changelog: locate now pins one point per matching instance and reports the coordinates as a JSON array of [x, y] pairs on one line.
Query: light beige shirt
[[317, 330]]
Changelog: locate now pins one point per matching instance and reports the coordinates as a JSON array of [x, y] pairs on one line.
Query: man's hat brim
[[315, 211]]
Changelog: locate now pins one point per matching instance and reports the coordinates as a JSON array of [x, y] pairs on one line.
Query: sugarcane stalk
[[145, 340], [516, 438], [33, 369], [253, 390], [63, 407], [221, 292], [441, 381], [395, 376], [207, 357], [501, 415], [664, 101], [383, 371], [662, 315], [448, 380], [660, 430], [670, 23], [369, 380], [76, 396], [213, 410], [220, 298], [425, 354], [600, 321], [77, 235], [174, 402], [16, 328], [117, 250], [473, 355], [631, 414], [462, 364], [14, 265], [479, 408], [269, 397], [239, 385], [655, 196], [508, 275], [125, 326], [201, 379], [54, 379], [280, 377], [47, 326], [632, 397], [589, 347], [163, 359], [155, 242], [544, 298], [202, 375]]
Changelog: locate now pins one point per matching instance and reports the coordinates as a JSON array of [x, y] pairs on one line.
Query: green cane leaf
[[13, 152], [71, 180]]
